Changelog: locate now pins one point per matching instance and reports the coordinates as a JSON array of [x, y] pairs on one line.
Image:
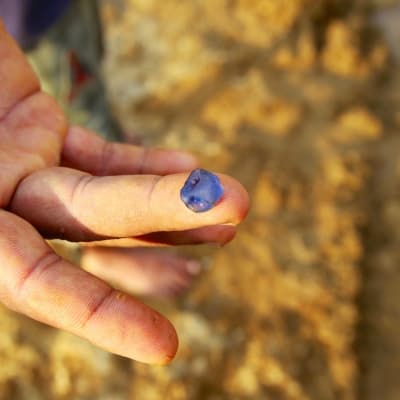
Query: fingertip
[[151, 338], [227, 234], [167, 360], [171, 349], [243, 204], [167, 211], [221, 234], [235, 198], [163, 343]]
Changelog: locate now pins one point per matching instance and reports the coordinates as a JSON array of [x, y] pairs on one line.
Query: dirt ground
[[300, 101]]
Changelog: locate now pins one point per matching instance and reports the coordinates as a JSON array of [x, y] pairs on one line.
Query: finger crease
[[20, 101], [152, 188], [95, 310], [79, 187], [46, 261]]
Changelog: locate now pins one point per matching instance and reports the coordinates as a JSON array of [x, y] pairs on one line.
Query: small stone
[[201, 191]]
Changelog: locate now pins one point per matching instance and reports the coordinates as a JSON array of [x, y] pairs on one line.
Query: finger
[[62, 202], [218, 234], [38, 283], [141, 271], [31, 135], [18, 80], [86, 151], [31, 124]]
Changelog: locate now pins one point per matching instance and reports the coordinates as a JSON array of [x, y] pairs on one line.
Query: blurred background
[[300, 101]]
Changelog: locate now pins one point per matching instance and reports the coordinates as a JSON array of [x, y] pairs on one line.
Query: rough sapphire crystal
[[201, 191]]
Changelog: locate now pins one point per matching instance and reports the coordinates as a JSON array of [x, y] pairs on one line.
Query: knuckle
[[33, 272]]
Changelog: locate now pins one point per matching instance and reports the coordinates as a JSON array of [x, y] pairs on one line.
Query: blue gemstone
[[201, 191]]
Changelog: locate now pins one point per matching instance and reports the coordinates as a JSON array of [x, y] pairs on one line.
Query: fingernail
[[165, 361], [193, 267], [201, 191]]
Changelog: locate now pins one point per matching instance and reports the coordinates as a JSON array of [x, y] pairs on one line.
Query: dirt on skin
[[299, 100]]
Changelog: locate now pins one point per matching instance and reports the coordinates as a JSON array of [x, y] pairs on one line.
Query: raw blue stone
[[201, 191]]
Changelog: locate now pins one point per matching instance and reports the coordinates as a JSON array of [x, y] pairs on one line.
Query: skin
[[61, 181], [146, 271]]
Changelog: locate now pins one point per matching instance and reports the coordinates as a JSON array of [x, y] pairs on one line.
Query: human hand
[[65, 182]]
